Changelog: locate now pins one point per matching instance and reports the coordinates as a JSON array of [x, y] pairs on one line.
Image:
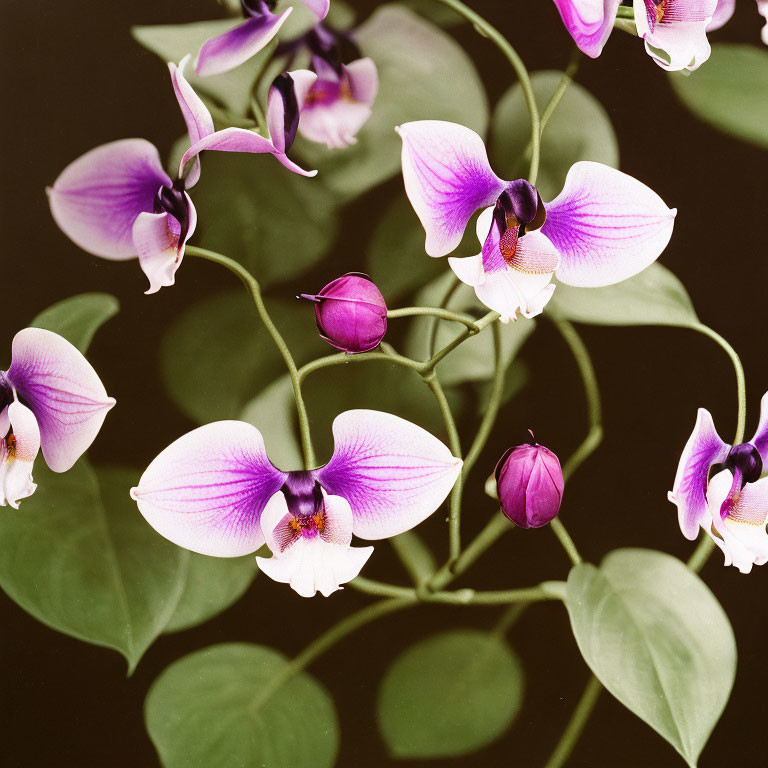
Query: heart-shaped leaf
[[213, 708], [658, 640], [449, 695]]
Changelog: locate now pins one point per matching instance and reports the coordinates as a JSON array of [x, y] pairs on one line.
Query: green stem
[[701, 554], [451, 290], [254, 289], [501, 42], [625, 12], [564, 538], [342, 358], [325, 641], [741, 389], [429, 365], [454, 516], [415, 556], [438, 312], [509, 618], [576, 724], [562, 87]]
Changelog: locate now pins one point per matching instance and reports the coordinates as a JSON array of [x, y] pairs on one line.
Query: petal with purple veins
[[63, 391], [447, 178], [207, 490], [96, 198], [235, 46], [393, 473], [689, 491], [589, 22], [606, 225]]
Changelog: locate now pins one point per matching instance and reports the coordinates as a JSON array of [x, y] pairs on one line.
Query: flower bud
[[530, 485], [351, 313]]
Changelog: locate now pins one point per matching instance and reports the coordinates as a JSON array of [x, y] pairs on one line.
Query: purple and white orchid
[[675, 31], [215, 491], [52, 398], [235, 46], [117, 201], [720, 488], [604, 227]]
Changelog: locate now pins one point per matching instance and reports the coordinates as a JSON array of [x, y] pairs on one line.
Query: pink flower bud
[[351, 313], [530, 485]]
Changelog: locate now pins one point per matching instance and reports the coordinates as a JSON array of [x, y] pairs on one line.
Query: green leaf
[[474, 359], [730, 92], [207, 709], [658, 640], [423, 75], [80, 558], [212, 585], [276, 223], [217, 354], [449, 695], [654, 297], [79, 317], [579, 129]]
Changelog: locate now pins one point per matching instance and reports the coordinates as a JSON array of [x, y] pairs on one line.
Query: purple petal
[[64, 392], [722, 14], [240, 140], [318, 7], [689, 492], [287, 95], [18, 456], [97, 197], [678, 28], [606, 225], [363, 78], [447, 178], [589, 22], [320, 564], [760, 438], [393, 473], [237, 45], [207, 490]]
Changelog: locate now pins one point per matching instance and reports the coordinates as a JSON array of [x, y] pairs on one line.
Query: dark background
[[73, 78]]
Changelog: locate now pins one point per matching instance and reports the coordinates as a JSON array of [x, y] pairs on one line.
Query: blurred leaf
[[212, 585], [473, 360], [204, 710], [658, 640], [654, 297], [579, 129], [397, 261], [80, 558], [437, 13], [217, 354], [276, 223], [730, 92], [79, 317], [449, 695], [423, 74]]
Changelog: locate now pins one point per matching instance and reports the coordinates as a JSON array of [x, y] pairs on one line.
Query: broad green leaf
[[423, 75], [474, 359], [730, 92], [276, 223], [397, 261], [211, 586], [212, 708], [580, 129], [654, 297], [79, 317], [658, 640], [217, 354], [449, 695], [80, 558]]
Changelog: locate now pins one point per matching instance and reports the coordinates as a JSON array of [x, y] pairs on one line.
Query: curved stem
[[429, 365], [562, 87], [576, 724], [565, 539], [254, 289], [437, 312], [701, 554], [501, 42], [342, 358], [451, 290], [325, 641], [741, 389]]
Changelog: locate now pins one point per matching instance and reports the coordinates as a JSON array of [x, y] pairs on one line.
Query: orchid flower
[[725, 9], [117, 201], [235, 46], [215, 491], [604, 227], [675, 31], [52, 398], [720, 488]]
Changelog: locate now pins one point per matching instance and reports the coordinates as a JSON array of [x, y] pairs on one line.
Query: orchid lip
[[173, 200]]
